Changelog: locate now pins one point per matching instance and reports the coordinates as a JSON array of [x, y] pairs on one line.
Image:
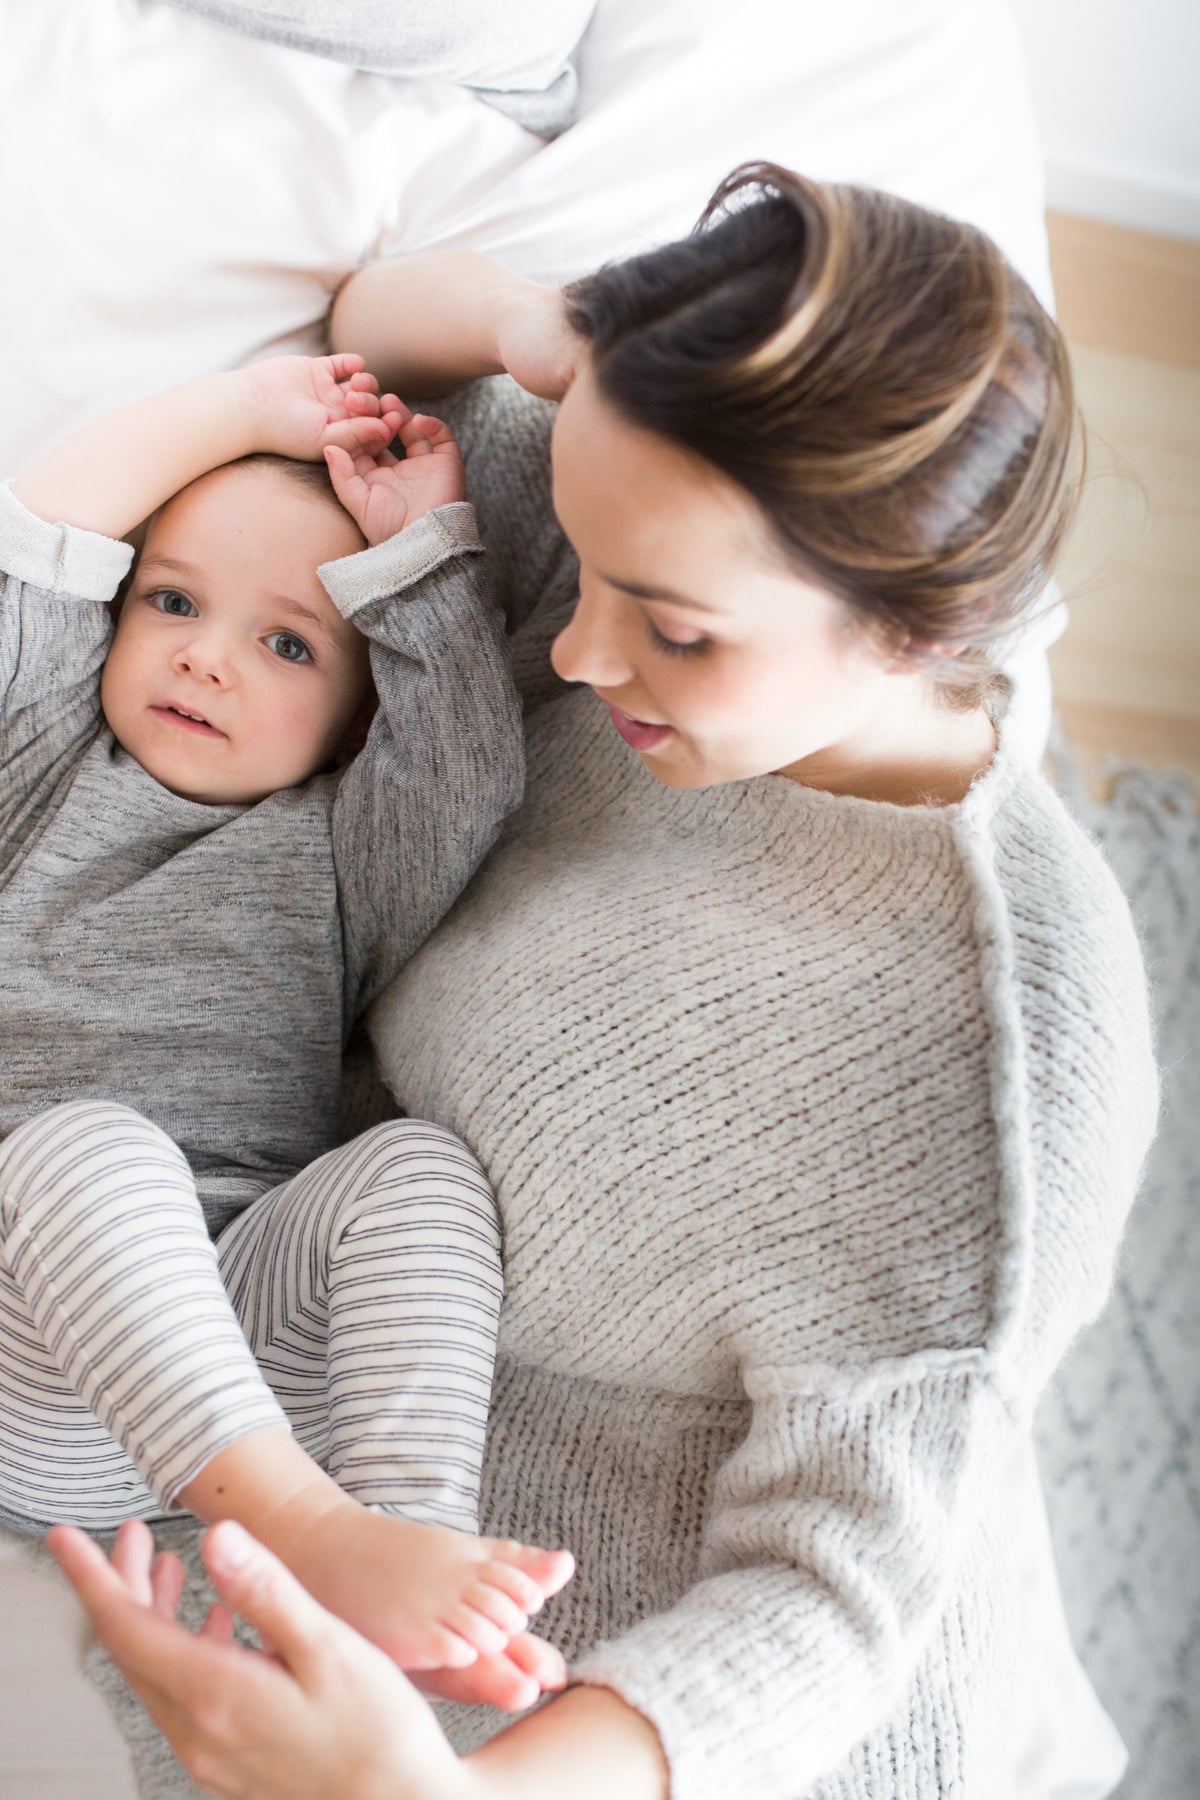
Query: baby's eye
[[672, 646], [170, 600], [288, 647]]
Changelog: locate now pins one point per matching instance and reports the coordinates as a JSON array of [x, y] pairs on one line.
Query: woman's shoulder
[[1067, 912], [1074, 1078]]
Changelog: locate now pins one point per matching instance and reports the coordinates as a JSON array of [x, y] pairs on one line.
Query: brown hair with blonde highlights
[[881, 382]]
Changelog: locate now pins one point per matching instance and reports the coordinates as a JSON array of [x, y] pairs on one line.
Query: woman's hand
[[535, 343], [296, 405], [383, 493], [322, 1715]]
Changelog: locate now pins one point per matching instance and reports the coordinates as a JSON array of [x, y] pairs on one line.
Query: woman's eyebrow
[[667, 595]]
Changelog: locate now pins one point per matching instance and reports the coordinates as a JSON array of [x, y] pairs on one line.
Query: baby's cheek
[[302, 726]]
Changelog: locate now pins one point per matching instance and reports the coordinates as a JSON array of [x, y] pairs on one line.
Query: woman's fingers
[[256, 1585], [133, 1559], [166, 1584]]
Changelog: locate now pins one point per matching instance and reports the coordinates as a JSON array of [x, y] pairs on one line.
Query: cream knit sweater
[[814, 1123]]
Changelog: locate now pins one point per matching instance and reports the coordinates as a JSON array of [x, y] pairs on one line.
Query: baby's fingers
[[344, 364], [358, 435], [421, 433]]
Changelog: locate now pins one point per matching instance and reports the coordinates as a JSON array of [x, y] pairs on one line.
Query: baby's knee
[[407, 1162], [65, 1155]]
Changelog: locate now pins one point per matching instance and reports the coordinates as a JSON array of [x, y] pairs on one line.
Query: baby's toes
[[492, 1681], [495, 1604], [539, 1660], [506, 1685], [443, 1647], [524, 1592], [489, 1639], [551, 1569]]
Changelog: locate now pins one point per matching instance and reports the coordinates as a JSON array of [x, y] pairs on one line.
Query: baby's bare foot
[[430, 1597], [527, 1668]]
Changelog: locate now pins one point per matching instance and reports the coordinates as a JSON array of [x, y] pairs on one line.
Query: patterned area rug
[[1119, 1435]]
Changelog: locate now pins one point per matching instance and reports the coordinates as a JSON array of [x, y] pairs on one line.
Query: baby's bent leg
[[116, 1323], [369, 1287]]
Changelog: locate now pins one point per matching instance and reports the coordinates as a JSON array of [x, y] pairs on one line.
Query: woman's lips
[[186, 721], [639, 732]]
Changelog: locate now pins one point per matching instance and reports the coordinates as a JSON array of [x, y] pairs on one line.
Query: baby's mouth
[[186, 721]]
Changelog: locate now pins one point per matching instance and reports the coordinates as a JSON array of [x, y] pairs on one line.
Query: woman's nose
[[593, 646]]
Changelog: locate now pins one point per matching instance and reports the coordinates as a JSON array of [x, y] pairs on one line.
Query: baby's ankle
[[300, 1524]]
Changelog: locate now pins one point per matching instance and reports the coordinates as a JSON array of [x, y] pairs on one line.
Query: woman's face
[[716, 663]]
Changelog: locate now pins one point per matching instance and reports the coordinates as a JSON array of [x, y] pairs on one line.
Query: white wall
[[1116, 88]]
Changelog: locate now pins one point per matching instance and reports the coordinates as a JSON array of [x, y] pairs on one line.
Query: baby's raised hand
[[298, 404], [384, 493]]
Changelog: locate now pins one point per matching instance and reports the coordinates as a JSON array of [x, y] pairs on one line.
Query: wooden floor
[[1127, 683], [1127, 671]]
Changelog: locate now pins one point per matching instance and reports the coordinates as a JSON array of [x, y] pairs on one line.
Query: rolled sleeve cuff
[[59, 559], [384, 570]]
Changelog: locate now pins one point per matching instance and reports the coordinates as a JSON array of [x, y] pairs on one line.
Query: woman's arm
[[431, 322], [115, 472], [588, 1743], [327, 1716]]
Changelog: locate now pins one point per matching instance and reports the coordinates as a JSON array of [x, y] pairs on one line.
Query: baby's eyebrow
[[285, 602], [299, 610]]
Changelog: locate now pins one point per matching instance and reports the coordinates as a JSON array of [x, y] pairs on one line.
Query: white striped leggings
[[357, 1303]]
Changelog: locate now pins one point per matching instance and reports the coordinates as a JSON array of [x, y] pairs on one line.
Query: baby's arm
[[110, 475], [444, 759], [431, 322]]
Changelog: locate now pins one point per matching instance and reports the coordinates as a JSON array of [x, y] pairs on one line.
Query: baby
[[225, 822]]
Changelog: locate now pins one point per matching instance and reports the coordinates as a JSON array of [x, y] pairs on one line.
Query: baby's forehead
[[252, 493]]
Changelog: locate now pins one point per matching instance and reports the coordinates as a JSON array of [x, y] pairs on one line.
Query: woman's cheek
[[750, 694]]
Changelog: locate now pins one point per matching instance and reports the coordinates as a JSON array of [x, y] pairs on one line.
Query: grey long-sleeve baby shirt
[[205, 963]]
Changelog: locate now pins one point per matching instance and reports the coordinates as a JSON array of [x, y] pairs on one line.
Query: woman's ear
[[921, 653]]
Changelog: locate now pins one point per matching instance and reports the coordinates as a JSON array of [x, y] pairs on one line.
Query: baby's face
[[232, 674]]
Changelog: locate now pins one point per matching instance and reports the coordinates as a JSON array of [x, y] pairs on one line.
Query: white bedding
[[178, 197]]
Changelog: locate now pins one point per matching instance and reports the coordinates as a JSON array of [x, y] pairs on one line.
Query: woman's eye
[[288, 647], [672, 646], [170, 600]]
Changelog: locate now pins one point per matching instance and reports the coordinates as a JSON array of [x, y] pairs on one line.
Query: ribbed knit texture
[[813, 1124]]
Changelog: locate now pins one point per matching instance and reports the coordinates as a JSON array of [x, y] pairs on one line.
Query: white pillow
[[180, 197], [927, 98]]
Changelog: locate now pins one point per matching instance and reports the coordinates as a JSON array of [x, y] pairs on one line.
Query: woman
[[802, 1034]]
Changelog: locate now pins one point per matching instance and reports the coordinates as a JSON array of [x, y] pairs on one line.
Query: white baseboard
[[1153, 204]]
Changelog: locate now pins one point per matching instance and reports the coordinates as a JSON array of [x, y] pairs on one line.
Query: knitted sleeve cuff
[[60, 559], [383, 571]]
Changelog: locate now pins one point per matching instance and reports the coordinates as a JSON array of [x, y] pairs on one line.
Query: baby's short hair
[[311, 475]]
